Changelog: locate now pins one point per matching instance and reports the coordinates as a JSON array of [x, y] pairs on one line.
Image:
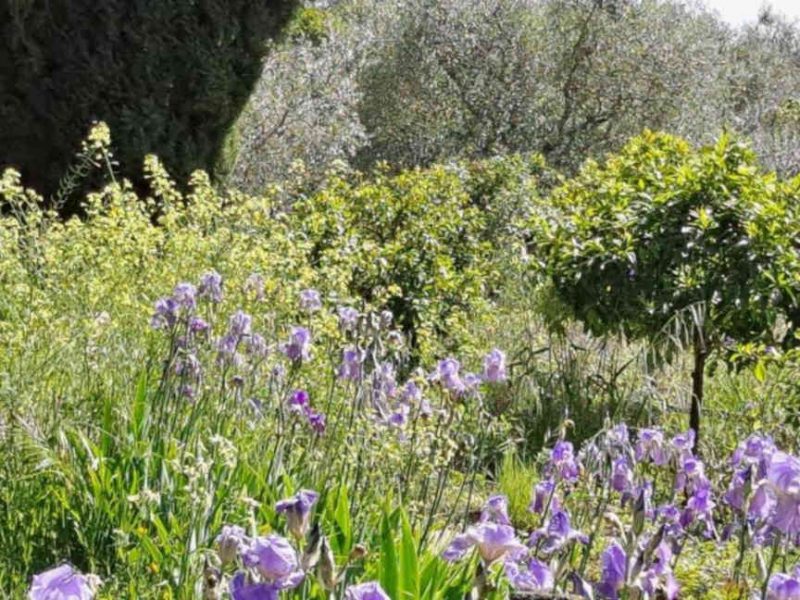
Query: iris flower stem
[[772, 560]]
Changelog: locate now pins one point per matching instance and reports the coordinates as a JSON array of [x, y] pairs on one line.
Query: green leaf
[[389, 568], [409, 564], [760, 371]]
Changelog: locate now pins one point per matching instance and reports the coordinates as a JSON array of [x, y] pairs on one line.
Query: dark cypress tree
[[169, 77]]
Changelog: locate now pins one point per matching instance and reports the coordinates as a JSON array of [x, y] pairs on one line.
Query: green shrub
[[169, 76], [428, 244], [671, 244]]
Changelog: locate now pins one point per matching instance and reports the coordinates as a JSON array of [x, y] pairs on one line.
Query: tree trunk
[[700, 355]]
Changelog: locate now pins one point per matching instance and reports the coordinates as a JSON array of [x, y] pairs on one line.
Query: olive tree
[[662, 234], [303, 108], [564, 78]]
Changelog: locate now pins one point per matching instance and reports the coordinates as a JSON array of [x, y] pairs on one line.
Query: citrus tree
[[663, 239]]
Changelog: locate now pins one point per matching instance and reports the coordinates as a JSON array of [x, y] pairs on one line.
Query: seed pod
[[327, 566]]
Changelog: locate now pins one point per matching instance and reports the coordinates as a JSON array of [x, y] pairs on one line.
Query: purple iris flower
[[557, 534], [699, 506], [348, 318], [531, 575], [658, 576], [185, 295], [447, 374], [494, 366], [614, 570], [691, 475], [316, 420], [255, 283], [562, 461], [784, 587], [239, 324], [165, 314], [650, 445], [274, 558], [188, 365], [352, 358], [211, 286], [755, 450], [411, 392], [298, 401], [619, 434], [310, 300], [298, 348], [683, 443], [384, 382], [783, 479], [737, 492], [371, 590], [496, 511], [297, 511], [256, 345], [61, 583], [198, 325], [227, 345], [492, 540], [472, 383], [230, 543], [670, 516], [544, 492], [242, 589], [622, 475], [400, 416]]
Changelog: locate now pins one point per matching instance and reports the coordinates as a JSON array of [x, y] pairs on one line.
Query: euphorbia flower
[[297, 511], [371, 590], [62, 583]]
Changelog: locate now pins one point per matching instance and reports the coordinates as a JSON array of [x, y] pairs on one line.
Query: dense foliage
[[457, 373], [413, 82], [666, 242], [169, 76]]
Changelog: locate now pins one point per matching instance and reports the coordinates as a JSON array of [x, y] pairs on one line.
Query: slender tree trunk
[[700, 355]]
